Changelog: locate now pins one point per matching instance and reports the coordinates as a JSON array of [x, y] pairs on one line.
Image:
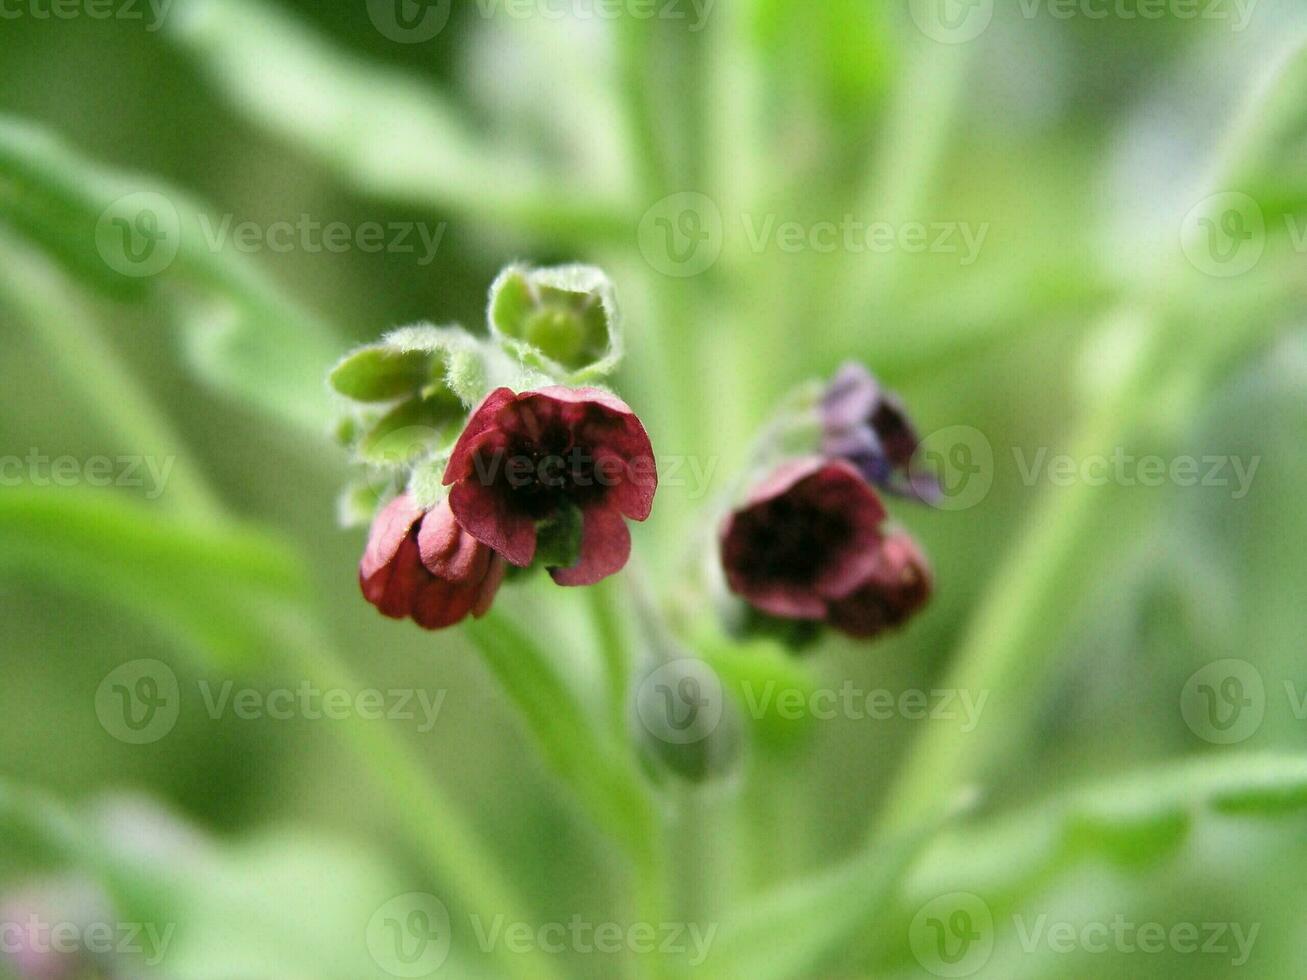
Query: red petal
[[389, 529], [486, 515], [605, 548], [783, 478], [489, 587], [448, 551], [394, 587], [786, 602], [443, 604], [483, 417]]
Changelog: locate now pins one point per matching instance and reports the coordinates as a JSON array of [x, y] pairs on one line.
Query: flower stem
[[606, 610], [447, 845]]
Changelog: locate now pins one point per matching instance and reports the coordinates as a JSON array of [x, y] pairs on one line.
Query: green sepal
[[426, 482], [558, 540], [381, 373], [562, 320], [359, 502], [413, 430]]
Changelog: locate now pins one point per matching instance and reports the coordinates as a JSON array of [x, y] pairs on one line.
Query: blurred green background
[[1098, 224]]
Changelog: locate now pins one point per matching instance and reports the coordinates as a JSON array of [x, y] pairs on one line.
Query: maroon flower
[[868, 426], [424, 565], [898, 586], [806, 538], [808, 546], [534, 457]]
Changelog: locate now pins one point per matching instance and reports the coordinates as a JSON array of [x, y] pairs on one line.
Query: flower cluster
[[535, 473], [809, 545]]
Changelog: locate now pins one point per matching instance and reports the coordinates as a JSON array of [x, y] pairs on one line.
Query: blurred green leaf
[[794, 930], [211, 586], [386, 134], [127, 235]]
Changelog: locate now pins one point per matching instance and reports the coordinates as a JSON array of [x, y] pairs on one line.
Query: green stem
[[636, 68], [606, 609], [602, 778], [447, 845]]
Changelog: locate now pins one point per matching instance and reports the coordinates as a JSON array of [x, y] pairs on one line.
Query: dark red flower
[[806, 538], [808, 545], [868, 426], [424, 565], [898, 586], [530, 458]]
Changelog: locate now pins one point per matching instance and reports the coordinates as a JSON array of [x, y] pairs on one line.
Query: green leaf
[[211, 586], [794, 930], [385, 134], [379, 374], [562, 320], [127, 235], [1127, 820]]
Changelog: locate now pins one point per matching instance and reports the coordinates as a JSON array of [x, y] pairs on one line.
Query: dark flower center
[[541, 475], [792, 541]]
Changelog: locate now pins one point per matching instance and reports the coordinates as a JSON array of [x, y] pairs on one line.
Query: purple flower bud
[[425, 565], [531, 458], [868, 426]]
